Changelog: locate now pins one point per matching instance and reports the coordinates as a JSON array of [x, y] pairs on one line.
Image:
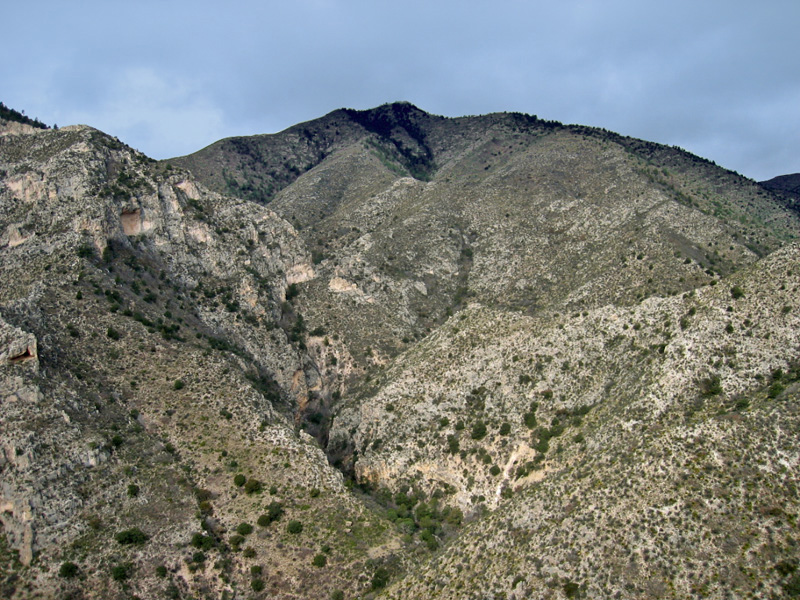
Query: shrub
[[337, 595], [252, 486], [120, 572], [775, 390], [112, 333], [320, 560], [505, 428], [256, 570], [249, 552], [294, 527], [275, 510], [133, 490], [478, 430], [495, 470], [68, 570], [380, 578], [86, 250], [257, 585], [571, 589], [132, 536], [239, 480], [452, 444], [711, 386], [202, 542], [178, 385], [244, 529], [161, 571], [737, 292]]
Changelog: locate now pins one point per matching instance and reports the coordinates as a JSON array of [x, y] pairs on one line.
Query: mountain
[[390, 354], [787, 186]]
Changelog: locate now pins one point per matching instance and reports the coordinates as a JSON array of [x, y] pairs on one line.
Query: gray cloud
[[719, 78]]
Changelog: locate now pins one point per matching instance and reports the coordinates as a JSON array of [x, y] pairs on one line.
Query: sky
[[720, 78]]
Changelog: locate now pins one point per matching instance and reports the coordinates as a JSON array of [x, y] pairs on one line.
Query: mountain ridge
[[449, 356]]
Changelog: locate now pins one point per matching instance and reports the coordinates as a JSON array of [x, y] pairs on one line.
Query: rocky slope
[[389, 353], [144, 366], [620, 452], [408, 215]]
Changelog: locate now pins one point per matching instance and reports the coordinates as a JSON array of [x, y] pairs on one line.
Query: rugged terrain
[[385, 352], [786, 186]]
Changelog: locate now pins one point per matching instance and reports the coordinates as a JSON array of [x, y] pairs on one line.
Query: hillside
[[390, 354], [506, 210], [787, 187], [144, 367]]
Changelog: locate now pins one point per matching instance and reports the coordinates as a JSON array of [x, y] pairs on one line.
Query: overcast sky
[[720, 78]]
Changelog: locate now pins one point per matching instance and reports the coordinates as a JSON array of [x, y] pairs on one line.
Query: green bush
[[202, 542], [86, 250], [68, 570], [252, 486], [274, 512], [337, 595], [239, 480], [121, 572], [112, 333], [161, 571], [244, 529], [452, 444], [132, 536], [133, 490], [257, 585], [505, 428], [178, 385], [571, 589], [775, 390], [711, 386], [737, 292], [380, 578], [256, 570], [294, 527], [320, 560], [495, 470], [478, 430]]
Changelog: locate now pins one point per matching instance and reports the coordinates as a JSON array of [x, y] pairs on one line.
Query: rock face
[[395, 354]]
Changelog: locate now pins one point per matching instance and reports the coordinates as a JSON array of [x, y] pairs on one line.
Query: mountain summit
[[390, 354]]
